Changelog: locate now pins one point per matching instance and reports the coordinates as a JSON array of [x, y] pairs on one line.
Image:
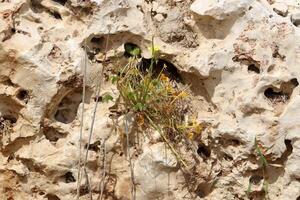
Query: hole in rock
[[162, 65], [6, 123], [62, 2], [9, 113], [295, 82], [84, 190], [10, 119], [256, 179], [276, 96], [52, 197], [298, 198], [253, 68], [228, 157], [295, 21], [23, 95], [52, 134], [289, 149], [56, 15], [203, 151], [69, 178], [94, 146], [6, 81], [97, 40], [203, 190], [67, 109], [282, 94]]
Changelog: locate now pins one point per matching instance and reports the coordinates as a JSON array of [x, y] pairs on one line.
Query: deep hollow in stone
[[256, 179], [69, 178], [203, 151], [253, 68], [52, 197], [62, 2], [23, 95], [161, 65], [52, 134], [56, 15], [282, 94], [66, 111]]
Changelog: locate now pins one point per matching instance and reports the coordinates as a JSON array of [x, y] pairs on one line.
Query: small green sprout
[[132, 50]]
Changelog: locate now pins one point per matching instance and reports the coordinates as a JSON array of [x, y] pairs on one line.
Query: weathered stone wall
[[241, 58]]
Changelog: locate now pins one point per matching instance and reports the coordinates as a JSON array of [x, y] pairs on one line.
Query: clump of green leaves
[[132, 50], [156, 101]]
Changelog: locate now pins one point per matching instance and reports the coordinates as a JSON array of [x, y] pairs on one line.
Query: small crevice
[[66, 111], [52, 134], [56, 15], [276, 96], [256, 179], [203, 151], [164, 66], [23, 95], [52, 197], [253, 68], [295, 20], [94, 146], [282, 94], [69, 178], [203, 190], [62, 2], [288, 151]]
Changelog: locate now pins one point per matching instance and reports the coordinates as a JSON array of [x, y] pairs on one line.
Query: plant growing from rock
[[154, 100], [264, 165]]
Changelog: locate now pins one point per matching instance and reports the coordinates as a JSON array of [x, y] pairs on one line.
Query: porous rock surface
[[241, 58]]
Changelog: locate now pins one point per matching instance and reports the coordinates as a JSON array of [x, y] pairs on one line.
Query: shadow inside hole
[[166, 67], [66, 111], [295, 20], [62, 2], [69, 178], [97, 40], [289, 149], [294, 82], [94, 146], [298, 198], [282, 94], [276, 96], [52, 197], [7, 122], [203, 151], [52, 134], [253, 68], [56, 15], [23, 95], [11, 119], [256, 179], [203, 190]]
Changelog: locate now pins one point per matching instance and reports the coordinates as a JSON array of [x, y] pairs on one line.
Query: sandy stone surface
[[241, 59]]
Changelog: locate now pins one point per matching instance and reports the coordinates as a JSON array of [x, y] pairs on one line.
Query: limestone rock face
[[241, 59], [220, 10]]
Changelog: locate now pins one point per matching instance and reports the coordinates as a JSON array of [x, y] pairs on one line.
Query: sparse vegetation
[[264, 165], [156, 101]]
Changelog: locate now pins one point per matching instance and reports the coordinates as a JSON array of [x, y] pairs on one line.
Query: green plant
[[156, 101], [264, 165]]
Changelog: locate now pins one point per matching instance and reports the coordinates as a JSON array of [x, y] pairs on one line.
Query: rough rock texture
[[241, 58]]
